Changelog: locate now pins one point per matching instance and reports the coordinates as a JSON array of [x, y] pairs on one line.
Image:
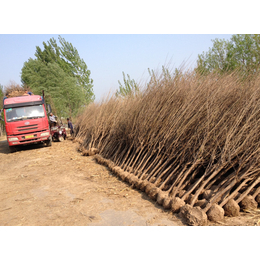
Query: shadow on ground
[[4, 148]]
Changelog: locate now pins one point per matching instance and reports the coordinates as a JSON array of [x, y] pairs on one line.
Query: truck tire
[[49, 142], [12, 149]]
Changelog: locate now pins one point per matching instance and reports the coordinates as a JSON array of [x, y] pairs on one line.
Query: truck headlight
[[45, 134], [13, 139]]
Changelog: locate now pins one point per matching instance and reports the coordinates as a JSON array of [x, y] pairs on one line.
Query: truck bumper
[[28, 138]]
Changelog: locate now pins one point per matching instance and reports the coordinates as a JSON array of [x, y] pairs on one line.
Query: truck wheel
[[49, 142], [12, 149]]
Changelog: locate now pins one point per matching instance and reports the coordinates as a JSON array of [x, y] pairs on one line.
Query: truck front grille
[[27, 128]]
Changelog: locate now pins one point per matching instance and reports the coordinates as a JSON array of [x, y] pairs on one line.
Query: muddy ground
[[57, 186]]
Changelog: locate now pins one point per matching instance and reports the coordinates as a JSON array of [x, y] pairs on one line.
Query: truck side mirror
[[49, 108]]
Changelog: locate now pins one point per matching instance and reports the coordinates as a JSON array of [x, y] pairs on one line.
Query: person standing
[[70, 126], [52, 119]]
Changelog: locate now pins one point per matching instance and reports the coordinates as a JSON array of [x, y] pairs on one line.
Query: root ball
[[193, 216], [110, 164], [207, 194], [176, 204], [143, 185], [133, 179], [181, 192], [189, 199], [99, 159], [94, 150], [148, 187], [124, 175], [153, 180], [128, 177], [138, 184], [201, 203], [248, 202], [80, 149], [257, 199], [129, 169], [161, 196], [215, 213], [232, 208], [85, 152], [144, 177], [167, 202], [153, 193], [117, 170]]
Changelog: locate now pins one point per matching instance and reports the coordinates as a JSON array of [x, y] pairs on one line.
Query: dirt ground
[[57, 186]]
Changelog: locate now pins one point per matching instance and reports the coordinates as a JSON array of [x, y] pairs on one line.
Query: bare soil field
[[57, 186]]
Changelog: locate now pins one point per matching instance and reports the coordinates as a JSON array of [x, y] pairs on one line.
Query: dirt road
[[57, 186]]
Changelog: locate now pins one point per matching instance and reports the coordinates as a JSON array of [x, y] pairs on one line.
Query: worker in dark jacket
[[70, 126]]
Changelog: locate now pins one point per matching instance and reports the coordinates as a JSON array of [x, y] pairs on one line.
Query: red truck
[[26, 121]]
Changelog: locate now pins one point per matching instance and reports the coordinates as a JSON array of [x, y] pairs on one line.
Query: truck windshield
[[23, 113]]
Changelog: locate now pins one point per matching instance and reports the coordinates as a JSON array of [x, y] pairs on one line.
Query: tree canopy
[[241, 52], [62, 74], [128, 88]]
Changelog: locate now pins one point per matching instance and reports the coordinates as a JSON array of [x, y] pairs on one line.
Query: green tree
[[128, 88], [63, 75], [60, 89], [241, 52], [1, 96], [1, 112]]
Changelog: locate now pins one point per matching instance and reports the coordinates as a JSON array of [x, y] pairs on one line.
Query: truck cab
[[26, 121]]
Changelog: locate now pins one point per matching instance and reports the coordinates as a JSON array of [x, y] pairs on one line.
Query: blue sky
[[108, 55], [114, 37]]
